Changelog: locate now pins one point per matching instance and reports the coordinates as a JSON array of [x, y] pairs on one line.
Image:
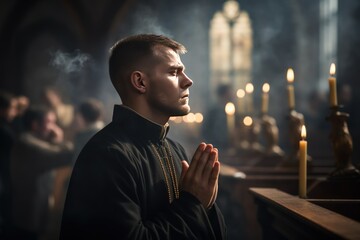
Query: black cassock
[[118, 189]]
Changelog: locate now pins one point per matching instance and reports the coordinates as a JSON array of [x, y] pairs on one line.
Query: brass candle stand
[[342, 145], [249, 141], [270, 132], [253, 137]]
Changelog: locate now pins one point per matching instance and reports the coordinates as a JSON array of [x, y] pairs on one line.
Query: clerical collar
[[139, 126]]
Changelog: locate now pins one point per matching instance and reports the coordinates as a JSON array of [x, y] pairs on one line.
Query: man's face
[[168, 87], [45, 129]]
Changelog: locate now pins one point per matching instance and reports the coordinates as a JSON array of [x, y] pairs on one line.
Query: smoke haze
[[69, 62]]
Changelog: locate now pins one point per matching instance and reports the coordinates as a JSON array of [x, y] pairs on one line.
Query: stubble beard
[[180, 110]]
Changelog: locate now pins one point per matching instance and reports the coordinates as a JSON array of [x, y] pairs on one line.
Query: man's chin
[[182, 112]]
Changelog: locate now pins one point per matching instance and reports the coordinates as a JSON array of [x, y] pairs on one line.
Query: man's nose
[[186, 81]]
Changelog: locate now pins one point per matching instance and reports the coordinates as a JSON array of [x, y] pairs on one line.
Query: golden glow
[[190, 118], [230, 108], [249, 88], [303, 132], [185, 119], [290, 75], [332, 69], [247, 121], [199, 117], [266, 87], [176, 119], [240, 93]]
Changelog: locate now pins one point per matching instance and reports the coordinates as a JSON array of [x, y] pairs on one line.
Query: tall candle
[[291, 93], [265, 98], [249, 88], [230, 118], [332, 86], [302, 163], [240, 93]]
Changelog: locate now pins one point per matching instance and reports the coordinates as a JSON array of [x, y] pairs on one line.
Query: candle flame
[[230, 108], [249, 88], [240, 93], [290, 75], [303, 132], [247, 121], [266, 87], [332, 69]]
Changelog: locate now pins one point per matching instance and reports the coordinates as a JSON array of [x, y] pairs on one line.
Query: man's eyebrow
[[177, 67]]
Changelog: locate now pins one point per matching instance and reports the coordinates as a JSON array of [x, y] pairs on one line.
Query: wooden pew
[[284, 216]]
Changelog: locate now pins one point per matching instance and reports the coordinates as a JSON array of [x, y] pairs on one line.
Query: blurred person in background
[[39, 149], [214, 127], [52, 97], [88, 121], [23, 103], [8, 112]]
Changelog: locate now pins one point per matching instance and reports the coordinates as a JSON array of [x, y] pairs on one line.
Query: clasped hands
[[200, 178]]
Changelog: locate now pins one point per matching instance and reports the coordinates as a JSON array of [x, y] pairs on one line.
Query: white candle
[[332, 86], [249, 88], [302, 163], [230, 118], [291, 94], [265, 98], [240, 93]]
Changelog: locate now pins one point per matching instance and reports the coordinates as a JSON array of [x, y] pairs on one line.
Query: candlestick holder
[[253, 137], [296, 121], [249, 142], [243, 142], [342, 145], [271, 136]]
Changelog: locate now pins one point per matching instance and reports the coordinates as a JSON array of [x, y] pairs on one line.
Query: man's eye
[[174, 73]]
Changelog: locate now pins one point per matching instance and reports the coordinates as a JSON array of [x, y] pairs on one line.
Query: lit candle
[[230, 117], [332, 86], [291, 94], [247, 121], [240, 93], [302, 163], [265, 98], [249, 88]]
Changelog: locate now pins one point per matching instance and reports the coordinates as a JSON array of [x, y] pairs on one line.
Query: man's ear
[[138, 81]]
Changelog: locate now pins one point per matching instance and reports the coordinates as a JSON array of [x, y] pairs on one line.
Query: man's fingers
[[217, 154], [214, 174], [204, 158], [199, 151], [209, 164]]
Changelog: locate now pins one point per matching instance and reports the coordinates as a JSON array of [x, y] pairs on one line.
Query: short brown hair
[[129, 53]]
